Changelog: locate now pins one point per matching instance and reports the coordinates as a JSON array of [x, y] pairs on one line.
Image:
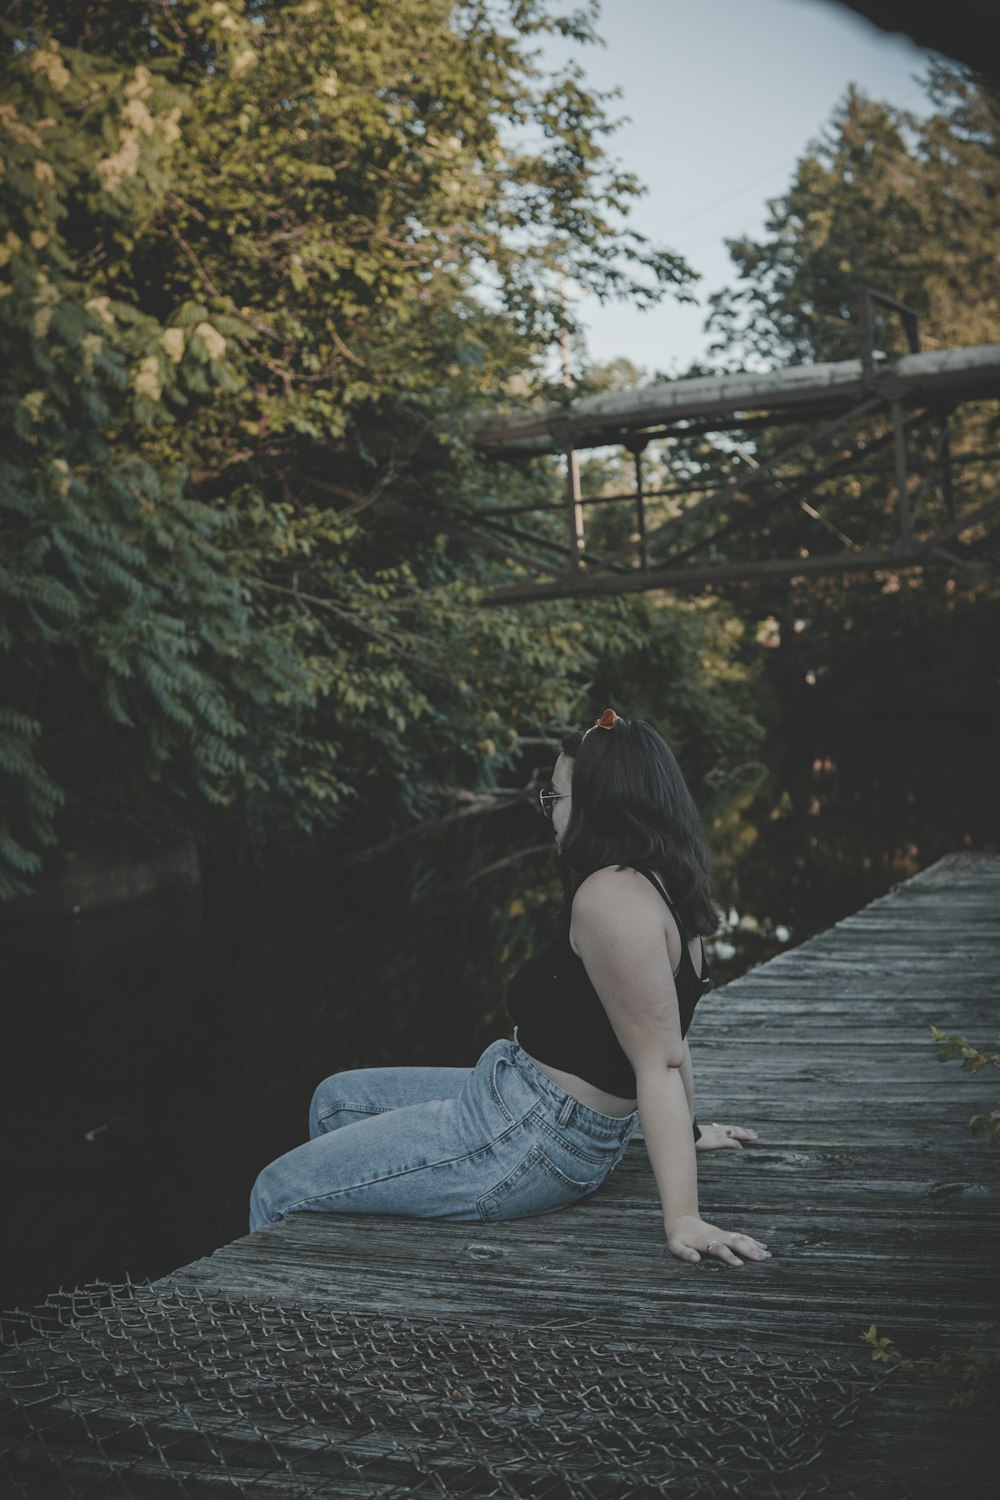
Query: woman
[[601, 1012]]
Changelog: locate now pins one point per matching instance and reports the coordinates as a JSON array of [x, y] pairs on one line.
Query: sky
[[723, 97]]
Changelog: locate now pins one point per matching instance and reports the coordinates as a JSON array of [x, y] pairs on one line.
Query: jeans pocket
[[571, 1148], [512, 1094], [535, 1186]]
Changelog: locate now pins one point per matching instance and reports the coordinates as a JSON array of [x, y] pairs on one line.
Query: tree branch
[[480, 807], [508, 859]]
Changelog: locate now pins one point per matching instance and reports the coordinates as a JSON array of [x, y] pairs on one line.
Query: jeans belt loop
[[566, 1110]]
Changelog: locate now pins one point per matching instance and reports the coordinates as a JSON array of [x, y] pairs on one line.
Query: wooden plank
[[859, 1121], [876, 1200]]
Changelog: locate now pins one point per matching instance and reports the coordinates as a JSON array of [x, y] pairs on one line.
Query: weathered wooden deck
[[878, 1205]]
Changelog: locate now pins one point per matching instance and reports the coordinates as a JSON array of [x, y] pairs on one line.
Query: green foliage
[[973, 1058], [905, 204], [256, 263], [125, 638], [973, 1370], [912, 207]]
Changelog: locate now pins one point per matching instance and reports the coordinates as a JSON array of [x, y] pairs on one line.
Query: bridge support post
[[637, 447], [574, 509], [947, 473], [899, 445], [867, 299]]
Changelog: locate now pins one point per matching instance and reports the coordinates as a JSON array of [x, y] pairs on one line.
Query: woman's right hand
[[689, 1238]]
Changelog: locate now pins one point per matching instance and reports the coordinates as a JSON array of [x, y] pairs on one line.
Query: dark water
[[165, 1052]]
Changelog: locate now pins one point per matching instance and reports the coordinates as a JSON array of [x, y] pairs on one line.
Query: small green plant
[[974, 1369], [972, 1060]]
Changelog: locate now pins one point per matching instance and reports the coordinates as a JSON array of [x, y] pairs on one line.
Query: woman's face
[[562, 782]]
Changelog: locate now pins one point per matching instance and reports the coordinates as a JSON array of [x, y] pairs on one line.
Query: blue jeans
[[497, 1141]]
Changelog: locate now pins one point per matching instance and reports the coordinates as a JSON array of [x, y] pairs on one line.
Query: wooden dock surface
[[867, 1185], [878, 1204]]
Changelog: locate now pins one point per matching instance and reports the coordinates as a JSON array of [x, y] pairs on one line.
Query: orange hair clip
[[608, 719]]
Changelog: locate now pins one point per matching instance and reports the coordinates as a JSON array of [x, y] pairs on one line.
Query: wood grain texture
[[877, 1202], [866, 1182]]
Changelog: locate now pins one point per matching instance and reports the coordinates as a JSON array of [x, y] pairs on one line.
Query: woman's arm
[[617, 927], [666, 1125], [687, 1077], [713, 1137]]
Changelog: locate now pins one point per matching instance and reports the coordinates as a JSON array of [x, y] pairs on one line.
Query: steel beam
[[694, 580], [797, 496], [902, 481], [637, 446], [759, 476], [574, 509], [681, 580], [915, 379]]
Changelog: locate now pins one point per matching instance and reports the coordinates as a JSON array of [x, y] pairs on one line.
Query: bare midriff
[[593, 1098]]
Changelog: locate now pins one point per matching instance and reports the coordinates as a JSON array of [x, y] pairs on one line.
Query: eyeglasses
[[547, 796]]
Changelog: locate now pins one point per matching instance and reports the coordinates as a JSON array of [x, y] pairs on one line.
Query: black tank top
[[560, 1019]]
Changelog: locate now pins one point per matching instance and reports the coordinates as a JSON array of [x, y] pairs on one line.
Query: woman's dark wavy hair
[[631, 806]]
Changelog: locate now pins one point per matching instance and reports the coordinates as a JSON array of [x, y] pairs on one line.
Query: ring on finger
[[711, 1245]]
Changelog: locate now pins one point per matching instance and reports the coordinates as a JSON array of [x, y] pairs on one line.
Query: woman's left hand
[[716, 1137]]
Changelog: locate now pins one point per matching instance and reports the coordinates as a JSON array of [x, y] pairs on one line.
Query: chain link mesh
[[136, 1391]]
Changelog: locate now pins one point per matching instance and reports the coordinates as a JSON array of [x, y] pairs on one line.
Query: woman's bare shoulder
[[613, 889]]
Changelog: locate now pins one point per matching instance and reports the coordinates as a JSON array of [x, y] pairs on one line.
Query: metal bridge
[[897, 408]]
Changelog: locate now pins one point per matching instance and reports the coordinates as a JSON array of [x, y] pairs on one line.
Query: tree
[[859, 669], [260, 261], [912, 207], [883, 198]]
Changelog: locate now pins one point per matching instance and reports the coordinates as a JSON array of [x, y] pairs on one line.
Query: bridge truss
[[890, 406]]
